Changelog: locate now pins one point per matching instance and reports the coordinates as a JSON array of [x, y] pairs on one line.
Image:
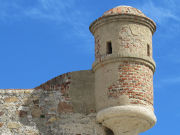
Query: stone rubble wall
[[48, 109]]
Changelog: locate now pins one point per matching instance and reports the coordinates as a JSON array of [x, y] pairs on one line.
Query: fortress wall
[[61, 106]]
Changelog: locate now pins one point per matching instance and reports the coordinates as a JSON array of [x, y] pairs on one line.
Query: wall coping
[[117, 58]]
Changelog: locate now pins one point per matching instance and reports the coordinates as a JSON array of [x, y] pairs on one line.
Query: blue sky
[[40, 39]]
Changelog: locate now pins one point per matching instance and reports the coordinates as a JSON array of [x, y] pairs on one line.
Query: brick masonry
[[135, 81]]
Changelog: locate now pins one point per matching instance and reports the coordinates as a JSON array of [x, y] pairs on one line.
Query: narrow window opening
[[109, 47], [148, 50]]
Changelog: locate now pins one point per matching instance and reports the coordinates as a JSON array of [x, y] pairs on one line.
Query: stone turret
[[124, 70]]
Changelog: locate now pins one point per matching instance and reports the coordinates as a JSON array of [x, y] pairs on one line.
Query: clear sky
[[41, 39]]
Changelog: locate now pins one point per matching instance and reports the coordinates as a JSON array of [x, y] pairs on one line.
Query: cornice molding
[[123, 18]]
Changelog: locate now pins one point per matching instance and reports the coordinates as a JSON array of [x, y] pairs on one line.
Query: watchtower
[[124, 70]]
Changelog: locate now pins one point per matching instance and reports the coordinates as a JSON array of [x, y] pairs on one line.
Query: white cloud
[[65, 13], [58, 11], [51, 9], [160, 14]]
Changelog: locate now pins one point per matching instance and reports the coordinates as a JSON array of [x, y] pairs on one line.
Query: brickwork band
[[135, 81]]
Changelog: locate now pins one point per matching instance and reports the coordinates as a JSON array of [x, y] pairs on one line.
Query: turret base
[[127, 120]]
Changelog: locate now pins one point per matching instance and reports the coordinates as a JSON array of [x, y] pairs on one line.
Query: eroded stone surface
[[13, 125], [10, 99], [44, 116]]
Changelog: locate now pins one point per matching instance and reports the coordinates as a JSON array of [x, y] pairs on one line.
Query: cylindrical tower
[[124, 70]]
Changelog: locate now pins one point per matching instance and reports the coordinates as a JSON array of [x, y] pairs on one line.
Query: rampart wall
[[61, 106]]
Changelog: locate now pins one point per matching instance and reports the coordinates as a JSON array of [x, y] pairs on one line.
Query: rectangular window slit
[[109, 47], [148, 50]]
